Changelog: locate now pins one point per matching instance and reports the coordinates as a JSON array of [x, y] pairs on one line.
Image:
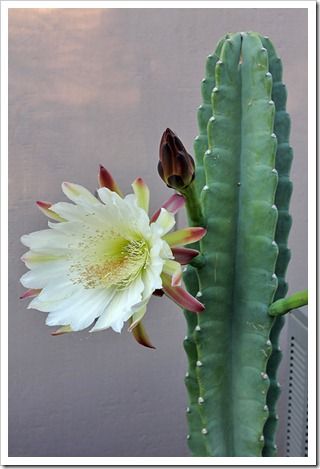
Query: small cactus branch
[[285, 305]]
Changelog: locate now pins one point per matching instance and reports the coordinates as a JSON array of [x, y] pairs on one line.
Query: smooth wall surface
[[94, 85]]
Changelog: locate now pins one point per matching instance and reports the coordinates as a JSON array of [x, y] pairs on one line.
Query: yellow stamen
[[117, 263]]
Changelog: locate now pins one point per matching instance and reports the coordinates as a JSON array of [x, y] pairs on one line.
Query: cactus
[[242, 192]]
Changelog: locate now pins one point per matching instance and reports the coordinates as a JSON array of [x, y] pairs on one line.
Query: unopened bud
[[176, 167]]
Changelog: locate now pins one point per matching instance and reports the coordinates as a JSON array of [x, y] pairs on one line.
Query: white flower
[[103, 259]]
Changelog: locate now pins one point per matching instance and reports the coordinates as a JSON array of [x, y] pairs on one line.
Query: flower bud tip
[[175, 167]]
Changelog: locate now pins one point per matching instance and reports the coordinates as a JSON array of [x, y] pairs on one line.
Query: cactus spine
[[232, 347]]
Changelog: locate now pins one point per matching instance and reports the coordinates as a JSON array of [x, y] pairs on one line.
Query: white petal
[[118, 325], [40, 276], [109, 197], [34, 259], [79, 194], [45, 239], [69, 211], [137, 216], [164, 223], [52, 295], [127, 212], [98, 216], [152, 281], [80, 310], [165, 251], [119, 309]]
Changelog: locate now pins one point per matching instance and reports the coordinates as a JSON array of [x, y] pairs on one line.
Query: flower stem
[[193, 206]]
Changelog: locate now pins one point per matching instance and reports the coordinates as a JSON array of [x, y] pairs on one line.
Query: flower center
[[113, 263]]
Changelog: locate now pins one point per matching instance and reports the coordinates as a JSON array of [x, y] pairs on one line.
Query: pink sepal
[[62, 330], [184, 255], [30, 293], [45, 208], [181, 296], [106, 180], [185, 236], [176, 279], [173, 205], [43, 204], [141, 336]]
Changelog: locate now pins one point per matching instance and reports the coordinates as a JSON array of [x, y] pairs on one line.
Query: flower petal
[[106, 180], [184, 255], [33, 259], [141, 336], [185, 236], [45, 208], [39, 276], [164, 223], [79, 194], [173, 205], [80, 310], [54, 293], [173, 269], [181, 296], [142, 193], [108, 197], [120, 307], [45, 239], [71, 212]]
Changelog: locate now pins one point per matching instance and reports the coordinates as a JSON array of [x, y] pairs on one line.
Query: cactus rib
[[283, 164], [196, 439]]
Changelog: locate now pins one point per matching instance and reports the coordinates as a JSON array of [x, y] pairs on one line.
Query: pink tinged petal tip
[[173, 205], [141, 336], [142, 193], [45, 208], [62, 330], [185, 236], [33, 292], [106, 180], [181, 296], [184, 255]]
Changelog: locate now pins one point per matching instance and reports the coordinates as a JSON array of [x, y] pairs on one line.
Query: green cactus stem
[[228, 346], [285, 305], [284, 157]]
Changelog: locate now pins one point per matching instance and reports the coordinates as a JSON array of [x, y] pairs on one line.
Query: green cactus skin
[[204, 114], [228, 345], [198, 442], [284, 157]]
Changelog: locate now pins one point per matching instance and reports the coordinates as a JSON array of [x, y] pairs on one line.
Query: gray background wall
[[91, 86]]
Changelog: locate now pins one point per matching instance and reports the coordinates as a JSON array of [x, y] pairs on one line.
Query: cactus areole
[[242, 192]]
